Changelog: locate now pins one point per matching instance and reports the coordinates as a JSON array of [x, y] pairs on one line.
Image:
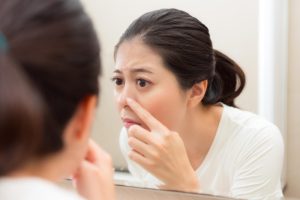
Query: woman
[[175, 95], [49, 68]]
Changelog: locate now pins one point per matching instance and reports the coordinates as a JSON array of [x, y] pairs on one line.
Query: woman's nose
[[125, 93]]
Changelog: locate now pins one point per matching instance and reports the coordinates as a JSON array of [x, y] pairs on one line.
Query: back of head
[[55, 46], [185, 46], [20, 117]]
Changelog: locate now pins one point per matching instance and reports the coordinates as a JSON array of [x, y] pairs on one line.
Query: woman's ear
[[197, 93], [79, 126]]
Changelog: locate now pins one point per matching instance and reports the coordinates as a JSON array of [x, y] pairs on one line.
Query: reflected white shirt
[[244, 161]]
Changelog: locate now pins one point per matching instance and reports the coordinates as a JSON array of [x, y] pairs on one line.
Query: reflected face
[[141, 75]]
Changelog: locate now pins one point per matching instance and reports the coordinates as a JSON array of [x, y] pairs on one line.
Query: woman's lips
[[129, 122]]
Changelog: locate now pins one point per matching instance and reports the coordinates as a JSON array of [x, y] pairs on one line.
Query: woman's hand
[[94, 178], [161, 152]]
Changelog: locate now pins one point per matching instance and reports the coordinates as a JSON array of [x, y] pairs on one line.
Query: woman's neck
[[52, 168], [199, 132]]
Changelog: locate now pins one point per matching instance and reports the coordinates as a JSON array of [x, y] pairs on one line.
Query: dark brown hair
[[185, 46], [55, 45], [20, 117]]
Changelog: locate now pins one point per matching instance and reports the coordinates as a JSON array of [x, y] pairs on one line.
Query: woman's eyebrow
[[117, 71], [136, 70], [141, 70]]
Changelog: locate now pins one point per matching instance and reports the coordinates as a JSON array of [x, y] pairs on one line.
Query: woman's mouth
[[129, 122]]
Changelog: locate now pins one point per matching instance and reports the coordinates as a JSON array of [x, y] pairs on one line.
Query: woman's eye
[[117, 81], [142, 82]]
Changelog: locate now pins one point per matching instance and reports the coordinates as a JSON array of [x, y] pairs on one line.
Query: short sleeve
[[258, 174]]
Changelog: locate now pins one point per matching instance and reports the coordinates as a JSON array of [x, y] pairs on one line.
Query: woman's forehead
[[138, 57]]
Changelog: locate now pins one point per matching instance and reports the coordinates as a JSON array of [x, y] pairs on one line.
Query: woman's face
[[141, 75]]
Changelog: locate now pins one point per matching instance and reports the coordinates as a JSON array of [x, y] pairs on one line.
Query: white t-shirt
[[33, 189], [244, 161]]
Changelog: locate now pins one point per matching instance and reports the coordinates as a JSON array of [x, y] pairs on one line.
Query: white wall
[[233, 26], [293, 136]]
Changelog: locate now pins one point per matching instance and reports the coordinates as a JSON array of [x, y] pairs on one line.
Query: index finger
[[152, 123], [96, 154]]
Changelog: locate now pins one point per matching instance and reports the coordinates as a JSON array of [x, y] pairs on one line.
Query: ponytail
[[227, 83], [20, 116]]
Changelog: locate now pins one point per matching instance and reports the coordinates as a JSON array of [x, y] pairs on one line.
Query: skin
[[81, 158], [170, 131]]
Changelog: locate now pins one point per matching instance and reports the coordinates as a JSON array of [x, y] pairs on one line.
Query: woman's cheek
[[161, 106]]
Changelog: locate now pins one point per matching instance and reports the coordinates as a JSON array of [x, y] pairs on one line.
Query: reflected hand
[[94, 177], [161, 152]]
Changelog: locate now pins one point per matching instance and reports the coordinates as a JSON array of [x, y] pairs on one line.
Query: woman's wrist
[[192, 184], [188, 184]]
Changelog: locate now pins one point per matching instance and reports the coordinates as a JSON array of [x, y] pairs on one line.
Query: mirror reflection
[[192, 133], [175, 95]]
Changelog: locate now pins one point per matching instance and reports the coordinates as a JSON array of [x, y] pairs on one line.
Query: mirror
[[129, 193], [235, 29]]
